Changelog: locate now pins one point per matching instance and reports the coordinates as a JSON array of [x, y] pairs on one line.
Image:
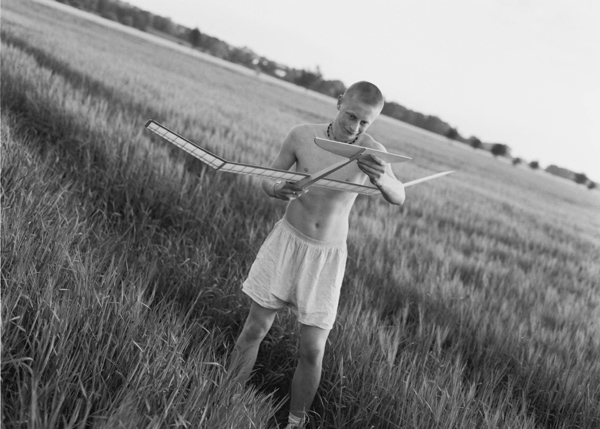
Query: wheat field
[[474, 305]]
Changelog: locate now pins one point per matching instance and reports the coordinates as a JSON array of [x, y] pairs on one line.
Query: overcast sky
[[519, 72]]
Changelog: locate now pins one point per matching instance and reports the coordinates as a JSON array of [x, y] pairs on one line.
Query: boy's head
[[365, 92], [357, 108]]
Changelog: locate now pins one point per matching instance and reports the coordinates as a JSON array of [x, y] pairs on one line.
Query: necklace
[[331, 137]]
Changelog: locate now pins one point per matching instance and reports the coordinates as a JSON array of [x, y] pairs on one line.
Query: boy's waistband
[[299, 234]]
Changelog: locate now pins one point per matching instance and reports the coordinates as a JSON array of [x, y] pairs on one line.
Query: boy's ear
[[339, 102]]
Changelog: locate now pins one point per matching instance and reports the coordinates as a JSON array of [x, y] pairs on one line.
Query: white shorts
[[292, 269]]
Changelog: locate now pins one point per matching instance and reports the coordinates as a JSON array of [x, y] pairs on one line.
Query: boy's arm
[[284, 160], [381, 175]]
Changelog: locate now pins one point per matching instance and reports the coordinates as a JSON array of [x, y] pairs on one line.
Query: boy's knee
[[312, 353], [254, 330]]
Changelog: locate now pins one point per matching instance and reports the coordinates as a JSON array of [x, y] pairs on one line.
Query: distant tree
[[394, 110], [141, 19], [75, 3], [85, 4], [195, 37], [111, 14], [516, 161], [591, 185], [336, 88], [499, 149], [307, 79], [244, 57], [428, 122], [128, 21], [103, 7], [332, 88], [452, 133], [534, 165], [215, 46], [418, 120], [122, 13], [267, 66], [435, 125], [580, 178], [474, 142], [181, 32], [163, 24], [220, 49]]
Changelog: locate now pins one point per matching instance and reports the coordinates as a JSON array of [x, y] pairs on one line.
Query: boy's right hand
[[287, 190]]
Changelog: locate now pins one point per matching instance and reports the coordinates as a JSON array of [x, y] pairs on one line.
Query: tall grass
[[474, 305], [81, 344]]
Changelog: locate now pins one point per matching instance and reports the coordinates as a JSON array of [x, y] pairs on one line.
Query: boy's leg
[[244, 354], [308, 373]]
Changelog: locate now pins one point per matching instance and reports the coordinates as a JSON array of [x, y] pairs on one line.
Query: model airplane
[[348, 151]]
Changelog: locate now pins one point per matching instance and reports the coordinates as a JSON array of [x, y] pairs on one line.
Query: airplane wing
[[221, 164], [349, 150], [353, 152], [217, 162], [316, 179]]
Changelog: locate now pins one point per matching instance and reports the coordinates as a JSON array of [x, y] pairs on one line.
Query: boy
[[301, 264]]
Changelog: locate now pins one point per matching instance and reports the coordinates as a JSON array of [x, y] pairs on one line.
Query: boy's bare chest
[[311, 158]]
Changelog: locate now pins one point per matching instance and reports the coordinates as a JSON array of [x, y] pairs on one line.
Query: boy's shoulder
[[304, 132], [308, 128]]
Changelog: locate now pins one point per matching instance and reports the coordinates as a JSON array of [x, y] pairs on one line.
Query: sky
[[520, 72]]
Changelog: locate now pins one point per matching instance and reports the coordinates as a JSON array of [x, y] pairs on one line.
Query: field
[[476, 304]]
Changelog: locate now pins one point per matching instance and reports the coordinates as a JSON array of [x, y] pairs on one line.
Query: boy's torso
[[322, 213]]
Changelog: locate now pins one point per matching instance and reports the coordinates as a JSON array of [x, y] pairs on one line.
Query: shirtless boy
[[302, 262]]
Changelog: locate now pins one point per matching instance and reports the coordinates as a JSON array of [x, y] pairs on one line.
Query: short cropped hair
[[366, 92]]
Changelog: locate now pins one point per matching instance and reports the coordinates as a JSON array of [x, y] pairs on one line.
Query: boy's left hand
[[372, 166]]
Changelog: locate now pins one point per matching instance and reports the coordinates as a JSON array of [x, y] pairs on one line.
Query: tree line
[[143, 20]]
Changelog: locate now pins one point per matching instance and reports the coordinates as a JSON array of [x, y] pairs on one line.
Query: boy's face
[[354, 116]]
